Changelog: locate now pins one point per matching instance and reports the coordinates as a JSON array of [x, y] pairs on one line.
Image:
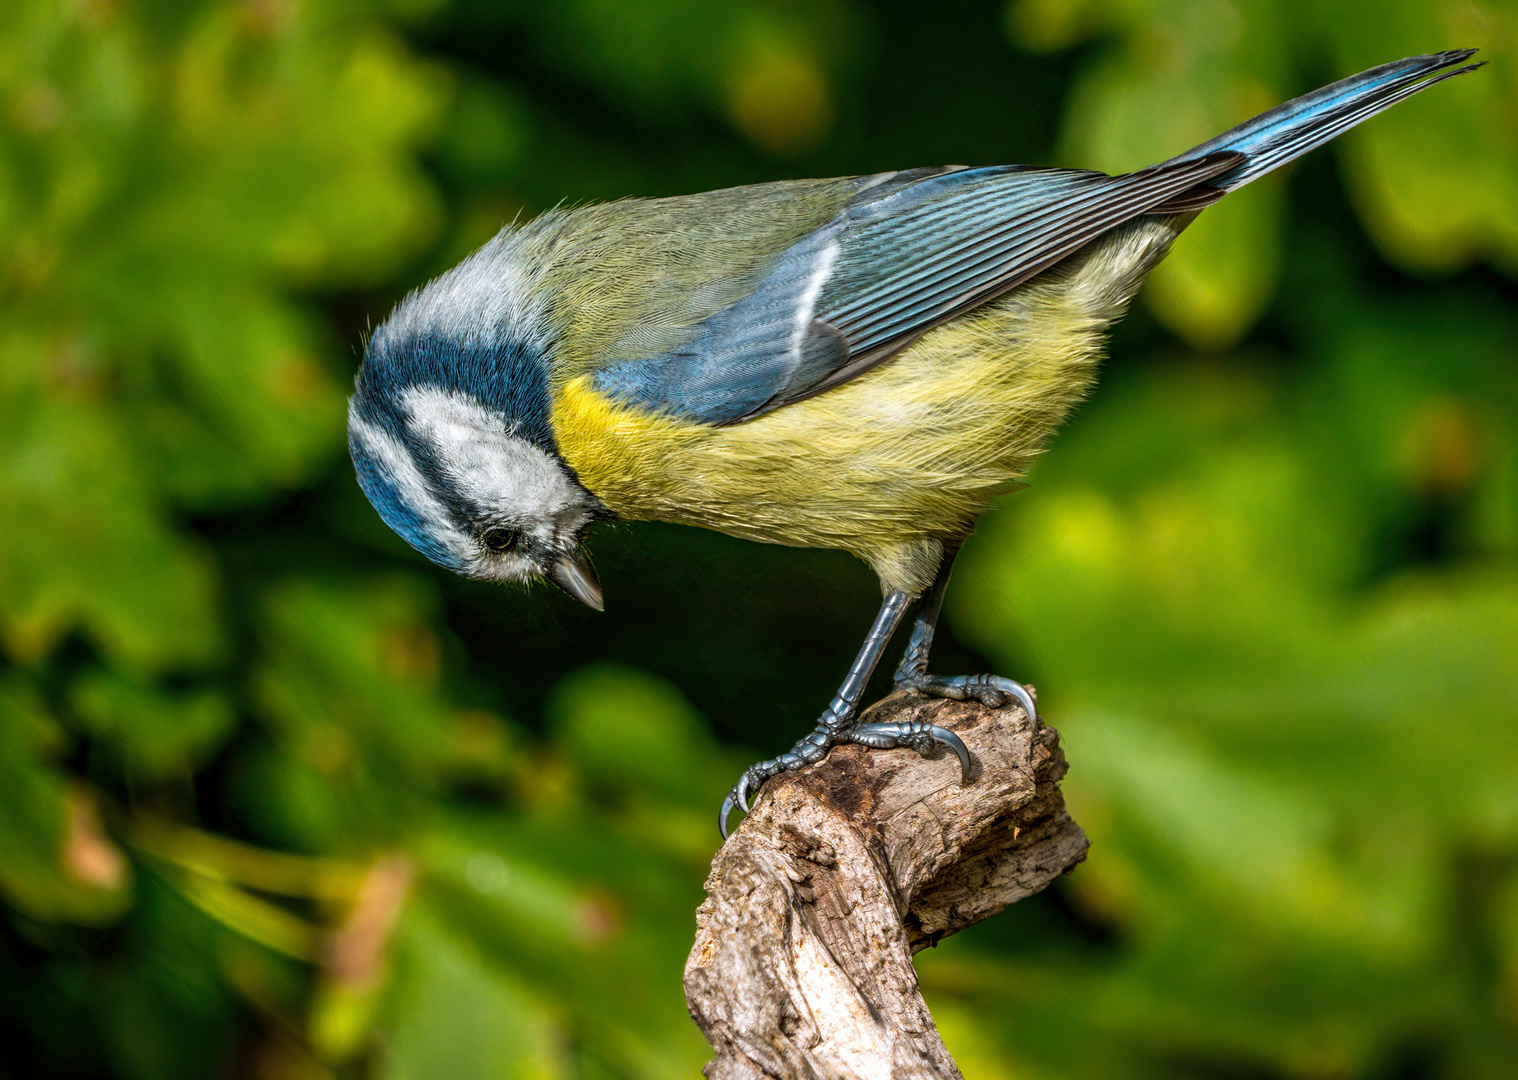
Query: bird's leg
[[837, 725], [912, 674], [914, 662]]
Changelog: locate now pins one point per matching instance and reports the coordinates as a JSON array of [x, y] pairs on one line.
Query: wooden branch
[[802, 966]]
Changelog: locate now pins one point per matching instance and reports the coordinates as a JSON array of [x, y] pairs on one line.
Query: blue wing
[[899, 259], [913, 250]]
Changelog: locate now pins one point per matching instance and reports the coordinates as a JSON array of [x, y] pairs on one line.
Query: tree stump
[[802, 965]]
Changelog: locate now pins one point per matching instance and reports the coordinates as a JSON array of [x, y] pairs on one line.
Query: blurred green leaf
[[84, 544], [625, 727], [461, 1017], [159, 734], [1221, 273], [55, 863], [1436, 179]]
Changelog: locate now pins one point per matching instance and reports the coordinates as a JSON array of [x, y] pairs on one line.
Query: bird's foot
[[811, 749], [992, 691], [912, 734]]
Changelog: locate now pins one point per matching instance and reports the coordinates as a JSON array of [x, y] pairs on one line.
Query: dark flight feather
[[913, 250]]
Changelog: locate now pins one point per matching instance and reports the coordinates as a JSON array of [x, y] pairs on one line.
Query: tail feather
[[1288, 131]]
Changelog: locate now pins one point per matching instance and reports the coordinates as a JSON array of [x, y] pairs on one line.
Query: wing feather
[[899, 259], [908, 251]]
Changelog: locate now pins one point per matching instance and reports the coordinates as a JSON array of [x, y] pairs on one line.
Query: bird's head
[[449, 431]]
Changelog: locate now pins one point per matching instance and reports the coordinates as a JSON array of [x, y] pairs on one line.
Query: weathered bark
[[802, 966]]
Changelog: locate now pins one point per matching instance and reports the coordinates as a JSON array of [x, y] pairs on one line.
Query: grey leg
[[914, 662], [836, 725], [991, 690]]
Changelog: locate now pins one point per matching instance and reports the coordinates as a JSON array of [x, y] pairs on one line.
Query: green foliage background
[[279, 800]]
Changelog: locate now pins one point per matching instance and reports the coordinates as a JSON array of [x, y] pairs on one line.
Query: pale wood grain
[[802, 965]]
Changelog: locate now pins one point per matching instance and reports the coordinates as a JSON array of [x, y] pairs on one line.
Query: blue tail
[[1288, 131]]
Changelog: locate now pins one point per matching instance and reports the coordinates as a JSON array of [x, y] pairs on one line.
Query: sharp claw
[[955, 743], [803, 753], [992, 691], [1024, 699], [722, 814]]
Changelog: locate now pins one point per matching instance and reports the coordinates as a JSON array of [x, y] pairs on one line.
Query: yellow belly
[[893, 463]]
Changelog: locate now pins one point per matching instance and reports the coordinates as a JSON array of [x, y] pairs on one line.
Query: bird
[[860, 363]]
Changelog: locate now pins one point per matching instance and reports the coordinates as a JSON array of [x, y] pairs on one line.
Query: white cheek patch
[[508, 567], [410, 484], [496, 470]]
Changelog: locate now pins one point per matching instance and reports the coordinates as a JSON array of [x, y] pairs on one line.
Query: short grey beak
[[574, 574]]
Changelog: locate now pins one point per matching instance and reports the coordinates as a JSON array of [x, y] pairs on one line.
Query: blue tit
[[860, 363]]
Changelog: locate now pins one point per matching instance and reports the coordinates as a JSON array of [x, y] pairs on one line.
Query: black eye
[[500, 538]]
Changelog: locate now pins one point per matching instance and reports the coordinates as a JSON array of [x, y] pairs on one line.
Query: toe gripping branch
[[837, 724], [990, 690], [916, 735]]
